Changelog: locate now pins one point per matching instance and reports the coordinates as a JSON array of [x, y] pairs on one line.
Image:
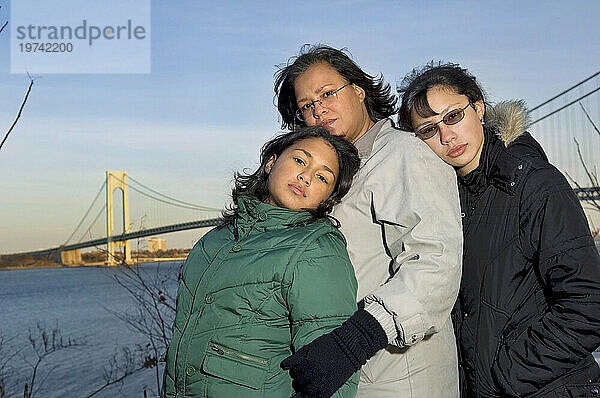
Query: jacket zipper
[[221, 351]]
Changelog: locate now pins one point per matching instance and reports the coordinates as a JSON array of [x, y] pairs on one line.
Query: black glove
[[321, 367]]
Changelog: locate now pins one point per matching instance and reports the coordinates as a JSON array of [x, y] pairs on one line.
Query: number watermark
[[71, 36], [46, 47]]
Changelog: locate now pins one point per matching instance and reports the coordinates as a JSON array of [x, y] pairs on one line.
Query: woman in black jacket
[[528, 313]]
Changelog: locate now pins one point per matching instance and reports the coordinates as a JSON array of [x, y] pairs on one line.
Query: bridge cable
[[92, 224], [564, 92], [158, 199], [171, 198], [565, 106], [86, 213]]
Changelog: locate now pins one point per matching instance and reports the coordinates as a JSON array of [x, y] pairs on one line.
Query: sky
[[206, 106]]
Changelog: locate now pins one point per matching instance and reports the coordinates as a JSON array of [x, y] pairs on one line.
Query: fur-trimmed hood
[[507, 150], [509, 119]]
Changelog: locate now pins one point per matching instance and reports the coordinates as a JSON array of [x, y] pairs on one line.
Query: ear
[[479, 108], [270, 164], [359, 91]]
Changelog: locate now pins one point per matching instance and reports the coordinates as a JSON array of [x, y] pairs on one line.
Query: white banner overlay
[[74, 36]]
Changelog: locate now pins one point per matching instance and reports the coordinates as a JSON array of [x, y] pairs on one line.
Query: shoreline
[[13, 267], [93, 264]]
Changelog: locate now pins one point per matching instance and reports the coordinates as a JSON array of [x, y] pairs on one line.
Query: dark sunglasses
[[452, 117]]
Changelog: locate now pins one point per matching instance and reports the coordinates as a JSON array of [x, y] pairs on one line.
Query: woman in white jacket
[[402, 222]]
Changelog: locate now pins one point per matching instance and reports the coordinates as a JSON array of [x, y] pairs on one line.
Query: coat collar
[[506, 122], [259, 216], [364, 144]]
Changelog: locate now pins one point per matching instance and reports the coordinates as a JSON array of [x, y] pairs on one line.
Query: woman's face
[[459, 144], [303, 176], [347, 116]]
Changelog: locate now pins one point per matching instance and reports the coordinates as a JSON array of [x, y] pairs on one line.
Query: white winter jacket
[[402, 221]]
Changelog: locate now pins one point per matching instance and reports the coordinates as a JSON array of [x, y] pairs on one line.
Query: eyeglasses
[[449, 119], [325, 100]]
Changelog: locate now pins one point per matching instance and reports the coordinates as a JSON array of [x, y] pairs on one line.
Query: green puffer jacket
[[251, 294]]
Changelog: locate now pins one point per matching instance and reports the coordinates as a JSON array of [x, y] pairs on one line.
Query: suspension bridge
[[567, 126], [115, 211]]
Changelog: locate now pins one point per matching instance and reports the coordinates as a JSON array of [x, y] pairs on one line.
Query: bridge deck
[[211, 222]]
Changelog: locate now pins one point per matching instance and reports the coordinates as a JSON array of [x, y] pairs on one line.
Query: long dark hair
[[255, 185], [379, 100], [415, 85]]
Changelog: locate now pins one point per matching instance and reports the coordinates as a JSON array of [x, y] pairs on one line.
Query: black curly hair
[[379, 100]]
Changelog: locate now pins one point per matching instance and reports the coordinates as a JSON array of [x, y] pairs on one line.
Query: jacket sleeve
[[322, 295], [568, 267], [415, 200]]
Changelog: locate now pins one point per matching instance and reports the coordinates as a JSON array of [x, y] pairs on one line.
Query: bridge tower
[[116, 180]]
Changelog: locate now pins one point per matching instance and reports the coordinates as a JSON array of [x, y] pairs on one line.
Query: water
[[76, 301]]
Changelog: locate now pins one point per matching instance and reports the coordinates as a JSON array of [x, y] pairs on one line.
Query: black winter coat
[[528, 313]]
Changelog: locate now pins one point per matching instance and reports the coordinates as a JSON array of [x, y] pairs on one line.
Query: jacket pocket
[[582, 381], [234, 366], [582, 390], [572, 391]]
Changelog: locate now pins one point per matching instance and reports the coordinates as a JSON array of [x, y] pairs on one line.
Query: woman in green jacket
[[272, 278]]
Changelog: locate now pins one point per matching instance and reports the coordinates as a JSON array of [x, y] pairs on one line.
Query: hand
[[321, 367]]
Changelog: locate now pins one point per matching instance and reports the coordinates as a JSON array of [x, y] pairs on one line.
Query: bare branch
[[20, 110], [589, 118], [44, 343], [3, 26], [155, 308], [122, 365], [5, 361], [592, 177], [6, 357]]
